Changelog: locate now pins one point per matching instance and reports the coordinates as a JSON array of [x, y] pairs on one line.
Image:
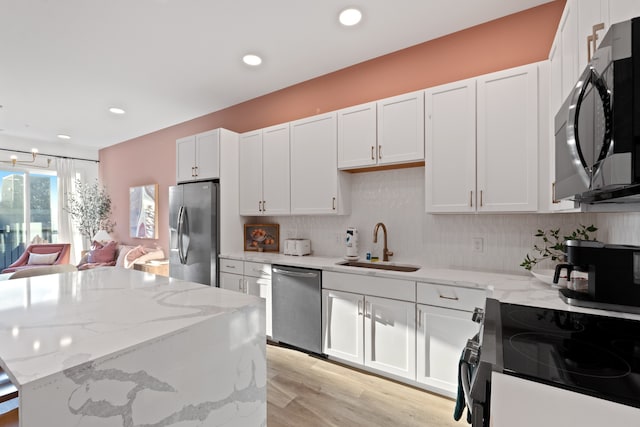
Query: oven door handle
[[465, 380]]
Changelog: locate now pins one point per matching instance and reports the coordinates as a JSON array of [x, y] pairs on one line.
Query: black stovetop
[[586, 353]]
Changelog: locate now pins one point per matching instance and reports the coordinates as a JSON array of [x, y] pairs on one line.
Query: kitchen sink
[[380, 266]]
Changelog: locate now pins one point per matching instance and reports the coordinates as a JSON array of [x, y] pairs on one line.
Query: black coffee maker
[[613, 274]]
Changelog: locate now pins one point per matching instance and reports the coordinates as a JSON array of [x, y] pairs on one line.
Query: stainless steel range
[[583, 353]]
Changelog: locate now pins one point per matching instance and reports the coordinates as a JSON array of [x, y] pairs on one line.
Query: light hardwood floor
[[307, 391]]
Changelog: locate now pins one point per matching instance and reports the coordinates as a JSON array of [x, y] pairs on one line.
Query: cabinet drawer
[[257, 269], [404, 290], [231, 266], [450, 296]]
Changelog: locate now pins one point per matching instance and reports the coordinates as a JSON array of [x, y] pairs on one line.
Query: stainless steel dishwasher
[[297, 307]]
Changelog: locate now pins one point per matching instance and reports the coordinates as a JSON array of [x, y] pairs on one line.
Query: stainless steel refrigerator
[[194, 232]]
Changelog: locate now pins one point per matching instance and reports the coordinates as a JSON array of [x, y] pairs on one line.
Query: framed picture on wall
[[262, 237], [143, 211]]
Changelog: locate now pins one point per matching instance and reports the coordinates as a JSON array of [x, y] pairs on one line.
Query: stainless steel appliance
[[583, 353], [296, 298], [194, 232], [597, 139], [613, 275]]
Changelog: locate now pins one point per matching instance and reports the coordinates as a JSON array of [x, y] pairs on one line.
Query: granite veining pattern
[[114, 347]]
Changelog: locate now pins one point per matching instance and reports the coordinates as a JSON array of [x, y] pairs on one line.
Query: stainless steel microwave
[[597, 129]]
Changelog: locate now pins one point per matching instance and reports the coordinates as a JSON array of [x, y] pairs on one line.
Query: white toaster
[[297, 247]]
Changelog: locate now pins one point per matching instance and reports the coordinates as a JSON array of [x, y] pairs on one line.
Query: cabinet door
[[276, 180], [208, 155], [568, 29], [185, 159], [390, 336], [401, 128], [622, 10], [591, 13], [261, 287], [450, 164], [342, 325], [357, 136], [250, 189], [314, 165], [232, 282], [507, 140], [441, 335]]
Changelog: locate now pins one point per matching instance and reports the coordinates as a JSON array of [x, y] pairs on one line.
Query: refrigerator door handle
[[183, 224], [184, 233], [180, 234]]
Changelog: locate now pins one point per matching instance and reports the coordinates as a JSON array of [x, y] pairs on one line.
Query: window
[[28, 210]]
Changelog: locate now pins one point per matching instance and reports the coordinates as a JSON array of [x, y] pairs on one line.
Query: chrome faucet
[[386, 253]]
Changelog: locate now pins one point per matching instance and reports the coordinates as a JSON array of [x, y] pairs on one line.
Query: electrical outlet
[[478, 244]]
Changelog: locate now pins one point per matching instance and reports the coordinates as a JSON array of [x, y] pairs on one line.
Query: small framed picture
[[262, 237]]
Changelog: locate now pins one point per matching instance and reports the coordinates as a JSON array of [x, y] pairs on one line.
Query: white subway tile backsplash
[[396, 198]]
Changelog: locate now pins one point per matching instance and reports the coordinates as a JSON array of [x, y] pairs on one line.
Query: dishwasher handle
[[294, 273]]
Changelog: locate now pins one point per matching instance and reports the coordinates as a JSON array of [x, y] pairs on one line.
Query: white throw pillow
[[43, 259]]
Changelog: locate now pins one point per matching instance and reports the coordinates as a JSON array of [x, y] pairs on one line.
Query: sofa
[[39, 255], [113, 254]]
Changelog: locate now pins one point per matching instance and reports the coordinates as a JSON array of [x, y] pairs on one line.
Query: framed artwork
[[262, 237], [143, 211]]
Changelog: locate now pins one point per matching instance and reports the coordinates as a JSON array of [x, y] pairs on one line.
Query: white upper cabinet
[[401, 128], [622, 10], [568, 30], [357, 136], [507, 140], [316, 185], [593, 23], [198, 157], [264, 171], [450, 142], [497, 116]]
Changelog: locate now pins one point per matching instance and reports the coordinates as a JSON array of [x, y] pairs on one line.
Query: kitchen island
[[116, 347]]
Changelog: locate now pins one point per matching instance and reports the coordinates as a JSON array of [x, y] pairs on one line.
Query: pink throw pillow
[[133, 255], [103, 253]]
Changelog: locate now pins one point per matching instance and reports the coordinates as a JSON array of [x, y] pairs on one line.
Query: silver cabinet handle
[[419, 318], [333, 203], [359, 307], [471, 198], [367, 309], [372, 156], [196, 169], [233, 267], [259, 205], [449, 298], [379, 151], [264, 206]]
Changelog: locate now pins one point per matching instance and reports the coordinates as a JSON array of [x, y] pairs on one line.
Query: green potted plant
[[90, 207], [552, 248]]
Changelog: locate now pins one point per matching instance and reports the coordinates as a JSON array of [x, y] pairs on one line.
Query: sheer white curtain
[[66, 230]]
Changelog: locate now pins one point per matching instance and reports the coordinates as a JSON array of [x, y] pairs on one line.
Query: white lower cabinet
[[343, 325], [253, 278], [390, 336], [372, 331], [441, 335], [444, 326]]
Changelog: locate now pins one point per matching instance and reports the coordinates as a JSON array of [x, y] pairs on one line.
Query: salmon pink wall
[[507, 42]]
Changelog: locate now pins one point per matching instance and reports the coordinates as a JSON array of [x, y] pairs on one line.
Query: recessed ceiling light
[[116, 110], [350, 17], [63, 136], [253, 60]]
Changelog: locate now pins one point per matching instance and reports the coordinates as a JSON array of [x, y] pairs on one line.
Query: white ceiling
[[64, 62]]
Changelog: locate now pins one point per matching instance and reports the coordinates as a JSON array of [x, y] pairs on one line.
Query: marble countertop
[[509, 288], [55, 322]]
